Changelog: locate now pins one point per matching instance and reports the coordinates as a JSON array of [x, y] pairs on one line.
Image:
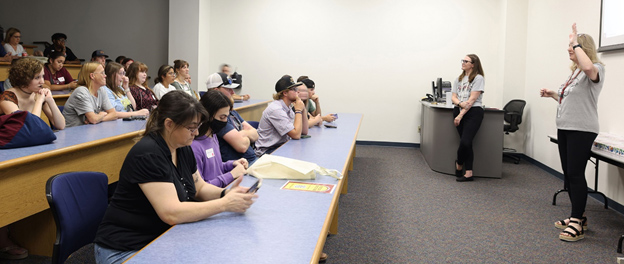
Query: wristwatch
[[577, 46]]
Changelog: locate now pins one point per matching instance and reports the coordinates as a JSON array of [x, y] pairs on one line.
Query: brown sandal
[[572, 236]]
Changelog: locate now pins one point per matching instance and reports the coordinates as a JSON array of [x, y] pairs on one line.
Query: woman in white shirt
[[11, 43], [166, 75]]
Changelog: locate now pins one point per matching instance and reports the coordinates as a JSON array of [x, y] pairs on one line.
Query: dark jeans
[[467, 129], [574, 151]]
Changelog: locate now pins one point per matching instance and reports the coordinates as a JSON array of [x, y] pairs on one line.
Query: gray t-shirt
[[277, 120], [464, 88], [578, 109], [81, 101]]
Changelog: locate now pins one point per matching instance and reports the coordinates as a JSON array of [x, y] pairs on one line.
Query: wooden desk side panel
[[253, 113], [22, 190]]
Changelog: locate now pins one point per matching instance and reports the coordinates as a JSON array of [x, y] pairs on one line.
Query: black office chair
[[513, 117], [78, 201]]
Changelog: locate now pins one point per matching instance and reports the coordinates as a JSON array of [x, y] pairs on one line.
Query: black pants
[[467, 129], [574, 151]]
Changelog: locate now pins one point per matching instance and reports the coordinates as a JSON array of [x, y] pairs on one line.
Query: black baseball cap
[[308, 83], [286, 82], [56, 36], [98, 53]]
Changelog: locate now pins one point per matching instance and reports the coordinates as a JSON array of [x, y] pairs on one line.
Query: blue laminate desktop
[[74, 136], [283, 226], [248, 103]]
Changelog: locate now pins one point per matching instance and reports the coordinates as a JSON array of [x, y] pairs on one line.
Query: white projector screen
[[611, 25]]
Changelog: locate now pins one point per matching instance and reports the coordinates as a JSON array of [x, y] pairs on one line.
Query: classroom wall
[[547, 66], [136, 29], [372, 57]]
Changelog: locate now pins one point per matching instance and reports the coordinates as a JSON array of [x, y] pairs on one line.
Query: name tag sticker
[[210, 153], [61, 79]]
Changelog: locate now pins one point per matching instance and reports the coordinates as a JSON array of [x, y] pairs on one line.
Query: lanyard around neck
[[566, 85]]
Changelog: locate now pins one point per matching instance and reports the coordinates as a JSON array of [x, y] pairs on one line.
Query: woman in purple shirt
[[206, 146]]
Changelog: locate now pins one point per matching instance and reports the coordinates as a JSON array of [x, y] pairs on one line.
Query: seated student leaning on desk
[[56, 77], [279, 122], [206, 146], [28, 93], [159, 184], [118, 92], [237, 138], [89, 104]]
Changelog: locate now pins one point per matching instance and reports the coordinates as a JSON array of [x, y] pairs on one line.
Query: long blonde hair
[[589, 47], [84, 77]]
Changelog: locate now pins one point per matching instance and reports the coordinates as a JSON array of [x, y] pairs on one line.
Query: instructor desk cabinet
[[439, 140]]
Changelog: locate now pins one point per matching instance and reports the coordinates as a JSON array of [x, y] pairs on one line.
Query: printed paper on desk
[[276, 167]]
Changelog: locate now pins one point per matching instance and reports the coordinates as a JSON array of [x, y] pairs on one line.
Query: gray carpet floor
[[400, 211]]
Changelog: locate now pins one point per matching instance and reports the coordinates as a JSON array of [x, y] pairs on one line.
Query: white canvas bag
[[277, 167]]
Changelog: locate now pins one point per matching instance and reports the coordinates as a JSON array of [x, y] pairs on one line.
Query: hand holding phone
[[254, 188]]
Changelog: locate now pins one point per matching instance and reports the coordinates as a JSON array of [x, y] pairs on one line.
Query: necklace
[[20, 88]]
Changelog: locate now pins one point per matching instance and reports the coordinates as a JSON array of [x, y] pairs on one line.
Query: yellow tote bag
[[276, 167]]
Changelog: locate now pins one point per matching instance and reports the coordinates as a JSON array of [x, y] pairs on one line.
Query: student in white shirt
[[166, 76]]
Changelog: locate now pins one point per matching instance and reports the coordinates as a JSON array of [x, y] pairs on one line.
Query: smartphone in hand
[[254, 188]]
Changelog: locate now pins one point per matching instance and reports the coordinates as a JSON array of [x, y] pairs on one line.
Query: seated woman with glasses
[[206, 146], [166, 76], [118, 92], [159, 184], [89, 104]]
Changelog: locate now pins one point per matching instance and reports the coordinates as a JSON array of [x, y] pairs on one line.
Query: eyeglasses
[[192, 130], [171, 73], [99, 73], [296, 89], [465, 61]]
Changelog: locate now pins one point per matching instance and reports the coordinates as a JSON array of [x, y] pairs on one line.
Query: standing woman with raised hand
[[166, 76], [577, 126], [181, 68], [143, 95], [468, 112], [89, 104], [28, 93], [119, 93]]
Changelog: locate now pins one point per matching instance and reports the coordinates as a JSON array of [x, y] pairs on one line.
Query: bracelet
[[297, 112], [577, 46], [127, 90], [223, 193]]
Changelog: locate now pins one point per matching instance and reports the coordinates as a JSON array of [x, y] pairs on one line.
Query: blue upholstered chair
[[254, 124], [78, 201]]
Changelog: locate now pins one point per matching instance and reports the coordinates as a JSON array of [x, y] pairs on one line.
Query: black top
[[69, 55], [130, 222]]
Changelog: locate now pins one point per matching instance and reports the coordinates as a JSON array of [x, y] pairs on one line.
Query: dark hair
[[120, 59], [162, 71], [126, 60], [213, 100], [178, 106], [24, 71], [111, 70], [178, 64], [53, 55], [223, 65], [301, 78], [477, 69]]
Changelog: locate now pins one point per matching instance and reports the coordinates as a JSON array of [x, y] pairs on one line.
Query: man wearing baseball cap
[[237, 137], [99, 56], [58, 44], [279, 122]]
